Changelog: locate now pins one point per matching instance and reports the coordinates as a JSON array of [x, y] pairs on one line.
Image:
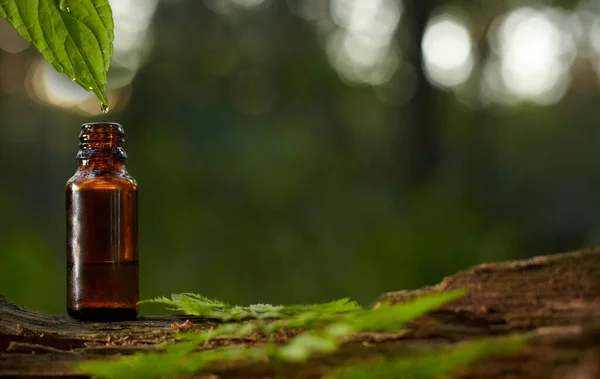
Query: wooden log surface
[[554, 299]]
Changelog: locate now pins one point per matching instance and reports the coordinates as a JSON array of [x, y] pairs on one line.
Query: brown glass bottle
[[102, 229]]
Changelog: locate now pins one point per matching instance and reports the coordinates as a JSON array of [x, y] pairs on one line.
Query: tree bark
[[554, 299]]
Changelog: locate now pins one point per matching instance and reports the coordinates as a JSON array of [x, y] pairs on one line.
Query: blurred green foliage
[[436, 364]]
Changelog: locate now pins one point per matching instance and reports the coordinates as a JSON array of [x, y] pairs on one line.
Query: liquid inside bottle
[[102, 231]]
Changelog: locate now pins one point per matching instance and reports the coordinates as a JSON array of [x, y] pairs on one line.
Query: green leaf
[[193, 304], [177, 357], [198, 305], [75, 36], [434, 364], [303, 346], [154, 365], [392, 317], [336, 306], [142, 365]]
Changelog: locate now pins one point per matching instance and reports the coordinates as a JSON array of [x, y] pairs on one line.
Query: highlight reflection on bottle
[[102, 229]]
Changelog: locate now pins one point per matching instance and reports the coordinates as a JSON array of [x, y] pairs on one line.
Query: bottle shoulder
[[101, 180]]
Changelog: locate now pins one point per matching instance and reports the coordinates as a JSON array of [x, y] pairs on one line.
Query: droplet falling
[[104, 109]]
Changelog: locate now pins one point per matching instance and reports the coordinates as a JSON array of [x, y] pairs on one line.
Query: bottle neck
[[89, 165], [100, 147]]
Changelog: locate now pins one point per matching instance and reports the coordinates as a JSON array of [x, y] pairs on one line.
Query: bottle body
[[102, 236]]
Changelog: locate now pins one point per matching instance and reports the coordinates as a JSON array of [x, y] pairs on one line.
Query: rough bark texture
[[555, 299]]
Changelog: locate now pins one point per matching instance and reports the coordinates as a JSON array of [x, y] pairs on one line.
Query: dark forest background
[[303, 150]]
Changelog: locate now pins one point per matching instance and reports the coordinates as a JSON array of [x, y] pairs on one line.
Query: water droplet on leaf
[[63, 5], [73, 79], [104, 109]]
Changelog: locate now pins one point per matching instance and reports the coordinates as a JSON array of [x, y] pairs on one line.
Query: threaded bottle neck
[[101, 140]]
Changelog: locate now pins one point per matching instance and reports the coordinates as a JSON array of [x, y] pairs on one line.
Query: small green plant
[[75, 36], [197, 305], [324, 326]]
